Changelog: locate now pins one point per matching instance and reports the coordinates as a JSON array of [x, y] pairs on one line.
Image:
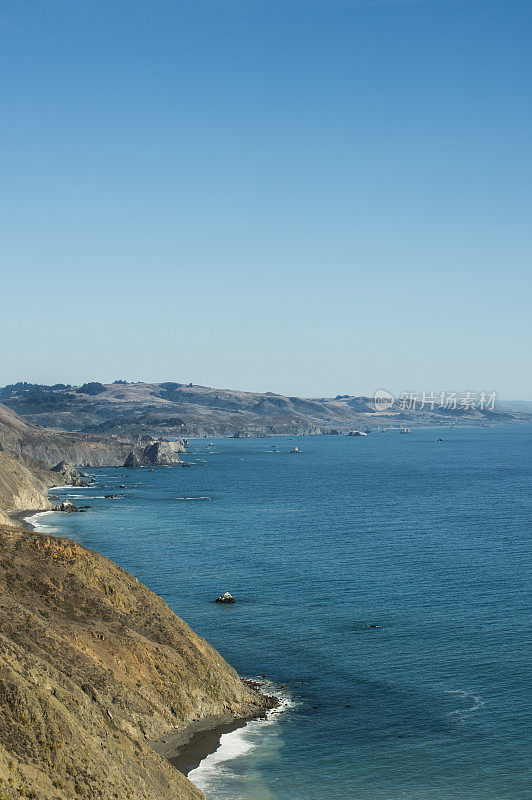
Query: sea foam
[[34, 521], [474, 702], [215, 767]]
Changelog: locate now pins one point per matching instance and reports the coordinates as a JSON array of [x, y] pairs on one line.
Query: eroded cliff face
[[48, 447], [159, 453], [22, 488], [93, 666]]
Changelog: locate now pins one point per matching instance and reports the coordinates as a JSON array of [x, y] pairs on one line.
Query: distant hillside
[[171, 410], [521, 406]]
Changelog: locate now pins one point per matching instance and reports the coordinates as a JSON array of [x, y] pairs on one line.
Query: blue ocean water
[[426, 540]]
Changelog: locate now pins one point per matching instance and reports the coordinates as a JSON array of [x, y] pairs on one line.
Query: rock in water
[[66, 505], [132, 460], [159, 453], [225, 598]]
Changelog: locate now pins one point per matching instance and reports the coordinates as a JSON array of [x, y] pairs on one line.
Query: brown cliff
[[92, 667]]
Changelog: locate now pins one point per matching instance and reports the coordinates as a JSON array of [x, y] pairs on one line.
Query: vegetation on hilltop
[[172, 409]]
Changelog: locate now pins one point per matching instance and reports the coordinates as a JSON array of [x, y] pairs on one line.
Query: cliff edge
[[22, 488], [93, 666], [22, 438]]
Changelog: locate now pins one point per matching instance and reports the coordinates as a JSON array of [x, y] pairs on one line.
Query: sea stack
[[225, 598]]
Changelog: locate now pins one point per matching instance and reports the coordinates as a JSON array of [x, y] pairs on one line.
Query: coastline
[[186, 748], [22, 517], [61, 563]]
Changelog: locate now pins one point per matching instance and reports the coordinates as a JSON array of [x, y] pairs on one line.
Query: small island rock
[[66, 505], [225, 598]]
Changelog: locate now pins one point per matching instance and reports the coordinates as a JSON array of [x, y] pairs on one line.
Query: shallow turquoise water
[[426, 540]]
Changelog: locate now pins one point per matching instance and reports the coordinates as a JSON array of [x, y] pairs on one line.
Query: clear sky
[[305, 197]]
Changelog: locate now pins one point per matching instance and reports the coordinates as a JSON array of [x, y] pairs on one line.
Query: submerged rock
[[225, 598]]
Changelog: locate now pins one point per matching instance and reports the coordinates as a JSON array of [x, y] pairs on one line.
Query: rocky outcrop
[[225, 598], [70, 474], [93, 667], [159, 453], [69, 507], [251, 433], [133, 460]]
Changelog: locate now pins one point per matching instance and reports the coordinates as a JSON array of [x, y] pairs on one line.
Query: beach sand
[[187, 747], [20, 517]]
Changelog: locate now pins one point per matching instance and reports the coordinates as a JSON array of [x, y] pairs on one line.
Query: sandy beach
[[187, 747]]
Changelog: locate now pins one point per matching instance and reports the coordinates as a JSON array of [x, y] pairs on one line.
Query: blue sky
[[304, 197]]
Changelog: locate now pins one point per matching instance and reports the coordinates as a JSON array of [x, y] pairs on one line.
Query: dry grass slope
[[92, 667]]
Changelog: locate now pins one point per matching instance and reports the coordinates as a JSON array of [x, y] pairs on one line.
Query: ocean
[[381, 579]]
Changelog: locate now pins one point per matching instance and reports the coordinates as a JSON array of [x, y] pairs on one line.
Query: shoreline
[[22, 517], [186, 748]]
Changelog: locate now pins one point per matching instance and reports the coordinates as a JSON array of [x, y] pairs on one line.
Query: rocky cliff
[[158, 453], [23, 488], [40, 447], [20, 437], [92, 667]]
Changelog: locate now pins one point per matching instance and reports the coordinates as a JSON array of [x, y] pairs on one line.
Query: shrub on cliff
[[91, 388]]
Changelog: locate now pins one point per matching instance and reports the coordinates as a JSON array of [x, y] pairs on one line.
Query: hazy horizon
[[312, 198]]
